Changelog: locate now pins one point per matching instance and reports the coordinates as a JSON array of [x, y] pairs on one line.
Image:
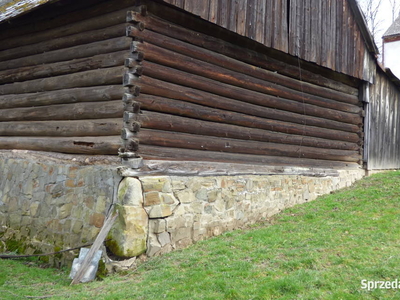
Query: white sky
[[384, 17]]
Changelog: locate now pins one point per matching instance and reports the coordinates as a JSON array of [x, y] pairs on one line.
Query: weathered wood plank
[[233, 15], [383, 145], [333, 38], [199, 7], [223, 13], [108, 222], [155, 152], [241, 17], [251, 19], [268, 21], [339, 36], [203, 168], [294, 28], [260, 21], [213, 11], [325, 31]]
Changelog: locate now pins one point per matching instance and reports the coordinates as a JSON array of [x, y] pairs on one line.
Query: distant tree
[[395, 7], [370, 9]]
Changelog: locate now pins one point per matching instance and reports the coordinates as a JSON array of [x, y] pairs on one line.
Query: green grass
[[318, 250]]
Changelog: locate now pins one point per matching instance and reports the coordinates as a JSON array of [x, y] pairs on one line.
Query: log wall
[[61, 78], [187, 94], [204, 98], [324, 32]]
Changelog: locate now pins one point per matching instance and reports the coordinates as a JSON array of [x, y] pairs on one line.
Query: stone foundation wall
[[54, 203], [181, 210], [49, 204]]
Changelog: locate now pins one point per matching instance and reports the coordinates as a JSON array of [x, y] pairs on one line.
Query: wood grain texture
[[300, 29]]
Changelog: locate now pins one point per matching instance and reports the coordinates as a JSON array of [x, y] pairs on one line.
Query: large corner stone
[[128, 236], [130, 192]]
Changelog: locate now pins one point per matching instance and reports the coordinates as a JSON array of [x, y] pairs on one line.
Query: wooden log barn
[[181, 88]]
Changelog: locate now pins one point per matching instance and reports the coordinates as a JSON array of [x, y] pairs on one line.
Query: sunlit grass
[[318, 250]]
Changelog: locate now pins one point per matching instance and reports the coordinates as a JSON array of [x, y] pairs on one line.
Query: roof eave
[[362, 24]]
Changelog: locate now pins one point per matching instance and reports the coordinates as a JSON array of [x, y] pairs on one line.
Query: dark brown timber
[[107, 145], [81, 51], [252, 57], [98, 127], [65, 42], [160, 121], [74, 111], [107, 76], [150, 86], [191, 141], [102, 21], [61, 68], [85, 94], [65, 16], [179, 77], [165, 105], [153, 38]]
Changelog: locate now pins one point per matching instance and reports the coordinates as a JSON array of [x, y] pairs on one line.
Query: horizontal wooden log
[[85, 94], [176, 61], [97, 127], [207, 143], [166, 122], [204, 168], [81, 51], [64, 42], [232, 50], [102, 21], [64, 16], [152, 38], [62, 68], [159, 88], [179, 77], [156, 152], [171, 106], [108, 76], [107, 145], [74, 111]]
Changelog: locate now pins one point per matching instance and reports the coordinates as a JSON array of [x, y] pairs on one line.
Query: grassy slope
[[319, 250]]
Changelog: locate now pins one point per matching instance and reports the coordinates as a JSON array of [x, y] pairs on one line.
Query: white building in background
[[391, 48]]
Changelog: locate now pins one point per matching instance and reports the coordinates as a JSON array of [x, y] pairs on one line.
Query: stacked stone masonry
[[182, 210], [49, 206]]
